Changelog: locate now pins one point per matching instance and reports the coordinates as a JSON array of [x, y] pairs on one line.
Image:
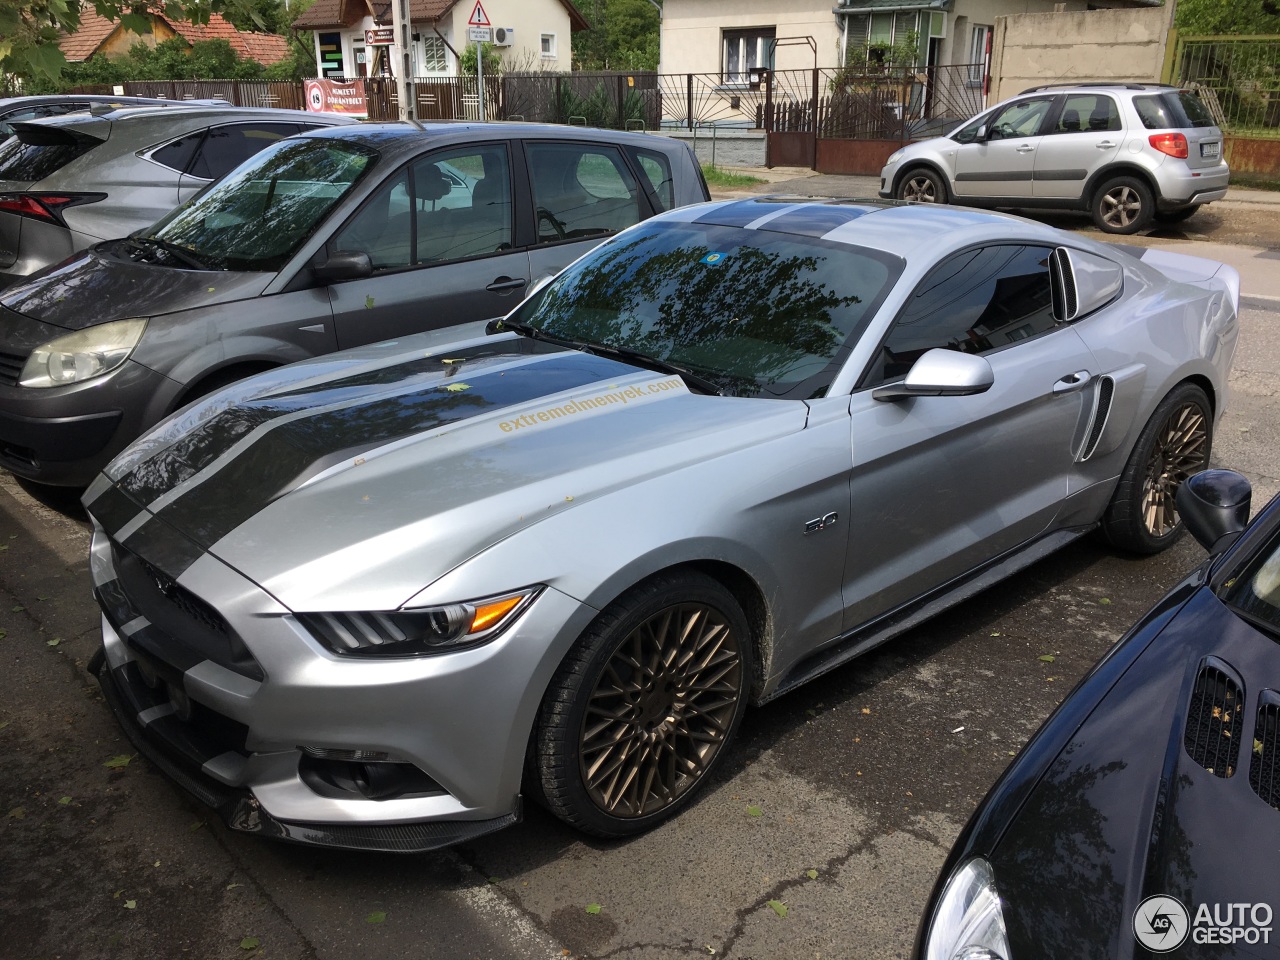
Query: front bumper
[[225, 705]]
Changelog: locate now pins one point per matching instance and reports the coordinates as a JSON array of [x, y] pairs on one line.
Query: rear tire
[[643, 708], [1176, 442], [922, 185], [1122, 205]]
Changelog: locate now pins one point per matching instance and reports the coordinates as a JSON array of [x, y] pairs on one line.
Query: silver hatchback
[[68, 182], [1128, 153]]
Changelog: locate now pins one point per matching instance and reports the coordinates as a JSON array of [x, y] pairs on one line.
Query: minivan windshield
[[755, 313], [259, 214]]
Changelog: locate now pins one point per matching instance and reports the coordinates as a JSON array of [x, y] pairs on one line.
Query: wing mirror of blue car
[[1214, 504], [342, 266], [941, 373]]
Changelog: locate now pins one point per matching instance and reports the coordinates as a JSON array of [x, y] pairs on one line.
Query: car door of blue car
[[944, 484]]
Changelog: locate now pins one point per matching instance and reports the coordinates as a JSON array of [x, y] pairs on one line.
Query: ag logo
[[1161, 923]]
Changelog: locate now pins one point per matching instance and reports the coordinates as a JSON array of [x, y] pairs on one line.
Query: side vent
[[1101, 411], [1264, 761], [1214, 721], [1062, 285]]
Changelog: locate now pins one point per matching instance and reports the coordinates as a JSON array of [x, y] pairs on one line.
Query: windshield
[[754, 312], [261, 212], [1256, 591]]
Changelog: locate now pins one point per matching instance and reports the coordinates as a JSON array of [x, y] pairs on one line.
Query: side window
[[976, 302], [657, 170], [1021, 119], [581, 190], [447, 206], [228, 146], [177, 155], [1088, 112]]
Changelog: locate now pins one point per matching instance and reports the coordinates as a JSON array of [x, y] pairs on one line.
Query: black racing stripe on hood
[[203, 445], [815, 220], [113, 509], [164, 548], [273, 464]]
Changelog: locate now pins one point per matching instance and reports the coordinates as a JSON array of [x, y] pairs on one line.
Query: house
[[536, 35], [111, 38], [731, 38]]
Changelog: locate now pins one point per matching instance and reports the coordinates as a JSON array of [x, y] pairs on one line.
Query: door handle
[[503, 284], [1024, 148], [1073, 382], [1105, 144]]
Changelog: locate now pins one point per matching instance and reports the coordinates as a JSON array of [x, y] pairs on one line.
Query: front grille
[[1214, 722], [1106, 391], [1264, 763], [185, 600], [11, 365]]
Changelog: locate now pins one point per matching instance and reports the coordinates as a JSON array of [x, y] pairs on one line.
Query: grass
[[722, 178]]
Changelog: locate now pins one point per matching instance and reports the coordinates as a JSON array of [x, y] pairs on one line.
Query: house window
[[979, 48], [747, 50], [869, 37], [434, 57], [549, 46]]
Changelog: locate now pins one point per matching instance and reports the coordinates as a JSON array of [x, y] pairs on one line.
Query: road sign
[[380, 37], [480, 34], [479, 18]]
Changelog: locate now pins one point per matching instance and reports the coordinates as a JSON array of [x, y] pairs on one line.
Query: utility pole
[[400, 21]]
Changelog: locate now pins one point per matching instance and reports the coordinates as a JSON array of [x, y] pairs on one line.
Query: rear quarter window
[[1177, 110], [35, 152]]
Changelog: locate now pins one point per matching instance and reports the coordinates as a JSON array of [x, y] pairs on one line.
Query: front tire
[[922, 185], [1175, 443], [641, 710], [1122, 205]]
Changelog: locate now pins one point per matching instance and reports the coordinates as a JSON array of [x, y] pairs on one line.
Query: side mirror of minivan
[[1214, 504], [343, 266]]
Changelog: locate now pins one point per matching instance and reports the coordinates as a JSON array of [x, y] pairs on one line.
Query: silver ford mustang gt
[[369, 600]]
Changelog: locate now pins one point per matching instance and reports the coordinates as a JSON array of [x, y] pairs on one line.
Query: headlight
[[967, 923], [82, 355], [412, 633], [894, 158]]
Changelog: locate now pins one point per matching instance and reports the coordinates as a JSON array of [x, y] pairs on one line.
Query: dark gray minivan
[[327, 240]]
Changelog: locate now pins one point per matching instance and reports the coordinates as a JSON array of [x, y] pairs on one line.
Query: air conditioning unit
[[504, 36]]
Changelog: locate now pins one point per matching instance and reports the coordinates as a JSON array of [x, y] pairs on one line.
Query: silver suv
[[1126, 152]]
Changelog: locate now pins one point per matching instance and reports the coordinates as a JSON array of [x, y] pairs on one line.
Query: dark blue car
[[1143, 818]]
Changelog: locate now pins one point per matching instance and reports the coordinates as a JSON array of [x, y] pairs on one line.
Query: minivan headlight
[[82, 355], [968, 923]]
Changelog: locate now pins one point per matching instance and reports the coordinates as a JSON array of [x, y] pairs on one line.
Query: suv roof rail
[[1115, 84]]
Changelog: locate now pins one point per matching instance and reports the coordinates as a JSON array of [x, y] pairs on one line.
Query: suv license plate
[[1210, 150]]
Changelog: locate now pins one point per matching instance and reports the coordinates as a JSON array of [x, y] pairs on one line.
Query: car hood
[[361, 484], [1126, 812], [94, 287]]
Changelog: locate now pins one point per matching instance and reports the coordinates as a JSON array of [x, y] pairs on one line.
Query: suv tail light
[[45, 206], [1172, 144]]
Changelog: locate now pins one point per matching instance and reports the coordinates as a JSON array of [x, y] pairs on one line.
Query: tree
[[30, 29], [623, 36], [1212, 17]]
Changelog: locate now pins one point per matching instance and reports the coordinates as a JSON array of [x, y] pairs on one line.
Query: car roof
[[212, 111], [1097, 85], [891, 226]]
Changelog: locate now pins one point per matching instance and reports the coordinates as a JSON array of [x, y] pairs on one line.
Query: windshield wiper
[[179, 253], [635, 357]]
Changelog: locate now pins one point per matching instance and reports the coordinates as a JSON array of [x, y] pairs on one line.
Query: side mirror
[[980, 134], [941, 373], [1214, 504], [344, 266]]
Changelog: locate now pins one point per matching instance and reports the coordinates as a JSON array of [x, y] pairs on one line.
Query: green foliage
[[600, 107], [1214, 17], [623, 36], [492, 60], [875, 55]]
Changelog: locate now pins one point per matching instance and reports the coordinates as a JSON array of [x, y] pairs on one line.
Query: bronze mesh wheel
[[1176, 442], [643, 707]]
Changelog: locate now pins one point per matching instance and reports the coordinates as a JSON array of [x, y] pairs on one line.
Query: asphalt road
[[861, 781]]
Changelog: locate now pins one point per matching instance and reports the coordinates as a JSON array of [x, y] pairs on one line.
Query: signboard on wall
[[330, 51], [380, 37], [336, 96]]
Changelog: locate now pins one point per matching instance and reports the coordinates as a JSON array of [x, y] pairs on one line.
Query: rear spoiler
[[68, 130]]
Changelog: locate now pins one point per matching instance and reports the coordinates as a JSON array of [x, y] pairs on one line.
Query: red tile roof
[[266, 48], [336, 14]]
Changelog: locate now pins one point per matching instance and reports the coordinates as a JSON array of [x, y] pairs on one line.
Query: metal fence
[[1237, 77], [843, 104]]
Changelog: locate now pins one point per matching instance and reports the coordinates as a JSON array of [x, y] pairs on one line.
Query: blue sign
[[713, 258]]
